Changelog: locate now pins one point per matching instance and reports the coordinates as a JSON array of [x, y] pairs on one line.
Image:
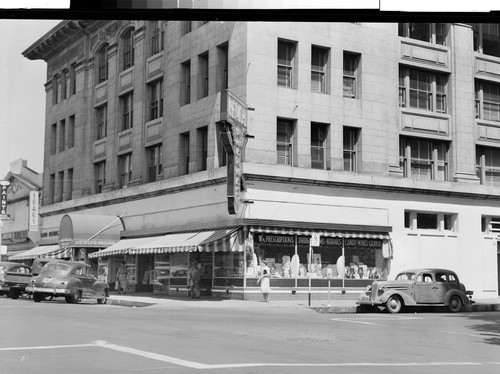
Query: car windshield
[[405, 276], [55, 266]]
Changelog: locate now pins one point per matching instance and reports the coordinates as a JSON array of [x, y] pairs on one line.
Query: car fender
[[74, 285], [407, 300], [450, 293]]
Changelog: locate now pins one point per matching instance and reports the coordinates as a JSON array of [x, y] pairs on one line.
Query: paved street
[[251, 337]]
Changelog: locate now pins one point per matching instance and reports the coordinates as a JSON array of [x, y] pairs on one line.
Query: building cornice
[[47, 44]]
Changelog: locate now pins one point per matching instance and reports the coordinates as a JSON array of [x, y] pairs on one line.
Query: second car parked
[[69, 279]]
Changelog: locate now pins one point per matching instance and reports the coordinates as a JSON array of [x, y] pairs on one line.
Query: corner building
[[369, 148]]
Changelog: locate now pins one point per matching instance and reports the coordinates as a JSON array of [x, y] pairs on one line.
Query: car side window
[[441, 277], [425, 278]]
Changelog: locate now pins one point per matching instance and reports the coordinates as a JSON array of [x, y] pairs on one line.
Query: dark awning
[[89, 230]]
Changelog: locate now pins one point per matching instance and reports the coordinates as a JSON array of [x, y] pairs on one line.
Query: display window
[[228, 265], [162, 273], [291, 256]]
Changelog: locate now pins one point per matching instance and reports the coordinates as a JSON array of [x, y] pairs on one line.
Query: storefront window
[[178, 265], [228, 265], [334, 258], [162, 273]]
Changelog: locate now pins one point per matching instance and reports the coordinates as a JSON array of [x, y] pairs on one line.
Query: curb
[[336, 309], [129, 303]]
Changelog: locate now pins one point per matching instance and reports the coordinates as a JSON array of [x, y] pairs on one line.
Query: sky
[[22, 94]]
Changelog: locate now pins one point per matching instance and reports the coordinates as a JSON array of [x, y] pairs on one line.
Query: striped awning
[[203, 241], [47, 251], [338, 234]]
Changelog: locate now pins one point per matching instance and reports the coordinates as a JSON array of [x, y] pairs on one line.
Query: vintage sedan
[[420, 287], [14, 277], [69, 279]]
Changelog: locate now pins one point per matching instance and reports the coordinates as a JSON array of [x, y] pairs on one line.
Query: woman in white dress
[[264, 284]]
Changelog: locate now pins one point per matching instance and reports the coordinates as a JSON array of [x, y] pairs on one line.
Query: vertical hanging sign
[[34, 205], [3, 200], [234, 113]]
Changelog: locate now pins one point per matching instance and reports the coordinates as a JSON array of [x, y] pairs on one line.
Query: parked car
[[420, 287], [39, 263], [69, 279], [14, 277]]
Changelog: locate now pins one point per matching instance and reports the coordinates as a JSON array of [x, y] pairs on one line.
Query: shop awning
[[204, 241], [47, 251], [338, 234]]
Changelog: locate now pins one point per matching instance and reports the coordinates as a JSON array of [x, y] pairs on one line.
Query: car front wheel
[[37, 297], [394, 304], [455, 304]]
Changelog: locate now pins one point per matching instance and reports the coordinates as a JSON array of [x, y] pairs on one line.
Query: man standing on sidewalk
[[195, 282]]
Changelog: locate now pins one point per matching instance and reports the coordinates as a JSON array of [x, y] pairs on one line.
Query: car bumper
[[49, 290], [4, 288], [366, 300]]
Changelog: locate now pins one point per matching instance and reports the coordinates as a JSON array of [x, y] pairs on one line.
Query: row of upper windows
[[419, 158]]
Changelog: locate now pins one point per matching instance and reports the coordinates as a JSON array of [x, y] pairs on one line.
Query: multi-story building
[[352, 150], [20, 190]]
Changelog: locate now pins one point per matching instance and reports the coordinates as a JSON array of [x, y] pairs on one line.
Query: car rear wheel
[[37, 297], [74, 299], [394, 304], [455, 304], [103, 298]]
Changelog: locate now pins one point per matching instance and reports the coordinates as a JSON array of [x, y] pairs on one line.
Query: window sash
[[284, 143], [156, 105], [101, 122], [154, 163], [125, 170]]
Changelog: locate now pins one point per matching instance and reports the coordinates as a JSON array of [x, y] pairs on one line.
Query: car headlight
[[368, 288]]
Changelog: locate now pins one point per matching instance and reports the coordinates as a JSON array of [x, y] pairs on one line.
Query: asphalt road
[[55, 337]]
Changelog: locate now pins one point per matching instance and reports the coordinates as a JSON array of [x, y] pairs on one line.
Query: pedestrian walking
[[195, 282], [265, 287], [121, 278]]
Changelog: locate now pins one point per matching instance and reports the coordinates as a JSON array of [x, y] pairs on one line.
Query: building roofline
[[44, 47]]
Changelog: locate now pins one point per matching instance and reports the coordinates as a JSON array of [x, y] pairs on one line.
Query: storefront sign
[[34, 205], [15, 237], [3, 200], [330, 241], [363, 243], [233, 112], [93, 243]]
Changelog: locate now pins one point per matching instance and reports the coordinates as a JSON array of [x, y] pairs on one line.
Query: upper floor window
[[71, 132], [286, 63], [157, 37], [203, 75], [202, 146], [284, 141], [416, 220], [128, 50], [319, 133], [101, 121], [424, 90], [52, 188], [424, 159], [99, 176], [156, 99], [222, 67], [184, 152], [72, 79], [53, 139], [62, 135], [64, 84], [319, 60], [351, 74], [127, 106], [487, 38], [154, 162], [102, 64], [186, 82], [69, 184], [490, 224], [426, 32], [125, 169], [487, 100], [186, 27], [350, 141], [55, 90], [488, 165]]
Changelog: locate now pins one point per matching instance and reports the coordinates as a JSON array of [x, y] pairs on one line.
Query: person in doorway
[[264, 285], [121, 278], [196, 282]]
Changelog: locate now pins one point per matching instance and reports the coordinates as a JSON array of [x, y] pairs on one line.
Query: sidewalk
[[335, 306]]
